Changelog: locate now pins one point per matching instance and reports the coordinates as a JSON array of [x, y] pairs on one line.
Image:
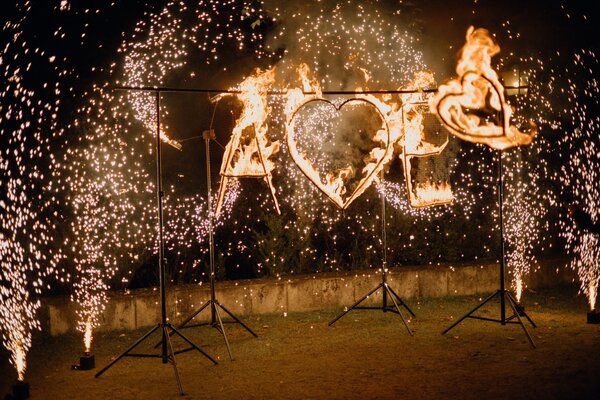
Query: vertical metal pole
[[161, 259], [502, 261], [384, 244], [211, 243]]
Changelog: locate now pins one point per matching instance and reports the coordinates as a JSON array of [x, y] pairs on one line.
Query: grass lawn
[[365, 355]]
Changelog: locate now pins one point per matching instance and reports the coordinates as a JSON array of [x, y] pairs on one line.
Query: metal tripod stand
[[167, 353], [504, 295], [215, 317], [396, 301]]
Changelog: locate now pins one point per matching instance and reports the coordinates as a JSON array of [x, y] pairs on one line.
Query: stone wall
[[140, 308]]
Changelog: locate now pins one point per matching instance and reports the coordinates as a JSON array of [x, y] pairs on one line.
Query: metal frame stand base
[[505, 297], [216, 321], [387, 291], [167, 355]]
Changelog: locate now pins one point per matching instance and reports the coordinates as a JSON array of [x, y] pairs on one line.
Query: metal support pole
[[502, 293], [161, 249], [383, 285], [502, 259], [211, 243], [167, 353], [215, 317], [384, 247]]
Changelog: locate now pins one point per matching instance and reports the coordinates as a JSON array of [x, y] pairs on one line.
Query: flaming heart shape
[[333, 185], [473, 106]]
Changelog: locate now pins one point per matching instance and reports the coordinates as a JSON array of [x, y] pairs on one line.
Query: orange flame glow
[[592, 294], [87, 337], [429, 194], [20, 361], [249, 151], [166, 139], [460, 102], [518, 287]]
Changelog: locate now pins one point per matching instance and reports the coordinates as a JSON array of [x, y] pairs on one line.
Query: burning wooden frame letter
[[248, 153], [472, 106]]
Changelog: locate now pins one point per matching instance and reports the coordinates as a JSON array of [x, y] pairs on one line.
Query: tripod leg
[[514, 308], [400, 301], [191, 317], [386, 287], [133, 346], [187, 320], [471, 312], [172, 358], [355, 304], [237, 320], [223, 333], [188, 341], [523, 311]]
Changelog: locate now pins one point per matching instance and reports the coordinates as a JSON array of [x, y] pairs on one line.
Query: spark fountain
[[28, 136], [580, 180], [167, 354], [87, 361]]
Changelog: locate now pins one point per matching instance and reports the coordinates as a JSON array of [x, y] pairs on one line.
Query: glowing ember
[[477, 89]]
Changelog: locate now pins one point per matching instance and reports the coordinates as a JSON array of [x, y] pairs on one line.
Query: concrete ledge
[[140, 308]]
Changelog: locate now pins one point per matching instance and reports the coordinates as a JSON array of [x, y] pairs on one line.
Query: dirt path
[[366, 355]]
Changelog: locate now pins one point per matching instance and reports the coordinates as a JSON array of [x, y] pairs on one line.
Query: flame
[[166, 139], [428, 194], [20, 361], [249, 151], [478, 88], [87, 336], [415, 145], [592, 294], [309, 84], [518, 287]]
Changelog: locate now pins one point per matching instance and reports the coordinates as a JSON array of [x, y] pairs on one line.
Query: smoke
[[335, 137], [341, 41]]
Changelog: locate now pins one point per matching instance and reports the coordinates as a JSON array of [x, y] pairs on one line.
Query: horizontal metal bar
[[271, 92], [143, 355], [184, 350], [485, 319], [280, 92], [195, 325]]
